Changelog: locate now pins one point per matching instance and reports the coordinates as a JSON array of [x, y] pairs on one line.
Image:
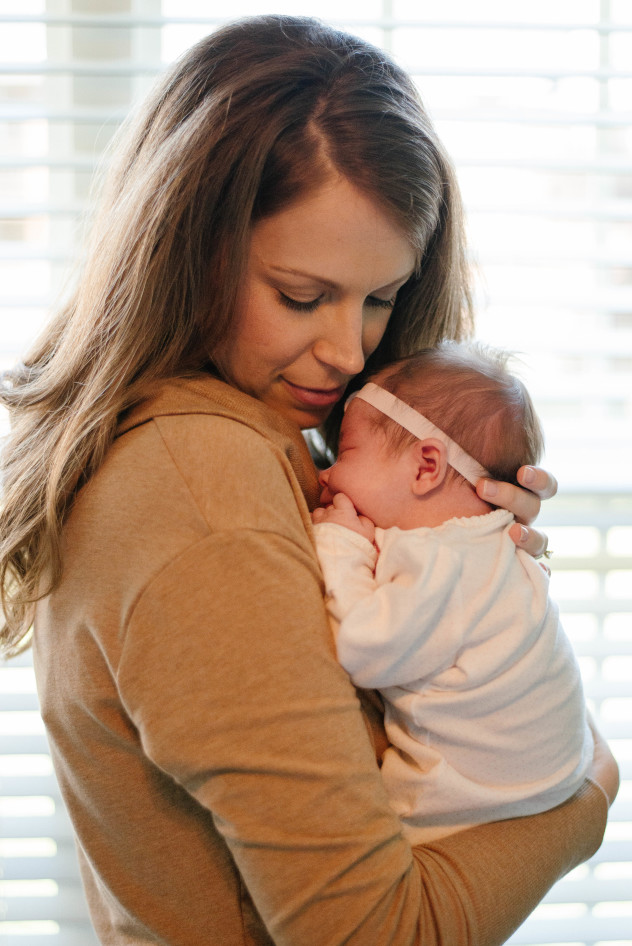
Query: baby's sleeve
[[347, 560]]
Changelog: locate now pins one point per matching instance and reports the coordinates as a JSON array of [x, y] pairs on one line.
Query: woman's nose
[[340, 344]]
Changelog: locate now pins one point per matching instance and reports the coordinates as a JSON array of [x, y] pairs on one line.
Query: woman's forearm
[[481, 884]]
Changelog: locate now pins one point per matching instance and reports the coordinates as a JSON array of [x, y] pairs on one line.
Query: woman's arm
[[268, 736], [255, 718], [507, 856], [605, 771], [495, 874]]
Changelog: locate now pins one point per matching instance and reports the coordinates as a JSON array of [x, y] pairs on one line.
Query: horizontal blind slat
[[574, 930], [66, 903], [73, 934], [113, 20], [55, 825], [62, 865]]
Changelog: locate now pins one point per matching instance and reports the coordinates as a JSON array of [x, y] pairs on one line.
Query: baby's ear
[[430, 465]]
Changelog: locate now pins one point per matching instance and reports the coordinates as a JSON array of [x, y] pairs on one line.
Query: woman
[[281, 216]]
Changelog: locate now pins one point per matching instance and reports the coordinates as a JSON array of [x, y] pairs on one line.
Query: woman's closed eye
[[311, 305], [377, 303], [297, 305]]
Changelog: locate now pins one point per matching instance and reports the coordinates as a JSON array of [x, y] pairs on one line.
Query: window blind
[[534, 103]]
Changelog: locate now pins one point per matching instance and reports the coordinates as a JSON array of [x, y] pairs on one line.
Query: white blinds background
[[534, 103]]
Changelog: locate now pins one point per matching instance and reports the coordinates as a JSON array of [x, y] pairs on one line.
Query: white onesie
[[484, 707]]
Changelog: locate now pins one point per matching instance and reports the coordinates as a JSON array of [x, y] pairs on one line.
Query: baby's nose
[[325, 496]]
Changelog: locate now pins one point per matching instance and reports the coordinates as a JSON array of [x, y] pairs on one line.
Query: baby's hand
[[342, 512]]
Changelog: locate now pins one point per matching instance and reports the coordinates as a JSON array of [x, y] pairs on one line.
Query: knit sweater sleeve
[[228, 671]]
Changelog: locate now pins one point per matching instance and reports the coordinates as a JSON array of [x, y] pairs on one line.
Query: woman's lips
[[315, 397]]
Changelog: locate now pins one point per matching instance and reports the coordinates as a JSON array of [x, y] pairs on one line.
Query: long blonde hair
[[244, 123]]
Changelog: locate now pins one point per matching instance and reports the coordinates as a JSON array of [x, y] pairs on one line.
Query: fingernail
[[490, 489], [528, 476], [524, 534]]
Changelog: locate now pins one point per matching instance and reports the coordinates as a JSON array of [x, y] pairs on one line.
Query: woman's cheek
[[373, 334]]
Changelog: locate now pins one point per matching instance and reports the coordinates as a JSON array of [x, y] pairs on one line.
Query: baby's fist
[[342, 512]]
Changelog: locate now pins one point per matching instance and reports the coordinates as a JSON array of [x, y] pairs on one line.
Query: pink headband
[[418, 425]]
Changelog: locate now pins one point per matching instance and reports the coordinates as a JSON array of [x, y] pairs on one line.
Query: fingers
[[524, 505], [339, 502], [538, 481], [531, 540], [342, 512], [368, 527], [342, 502]]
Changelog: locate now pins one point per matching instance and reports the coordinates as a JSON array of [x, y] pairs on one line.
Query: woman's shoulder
[[229, 449], [184, 471], [200, 394]]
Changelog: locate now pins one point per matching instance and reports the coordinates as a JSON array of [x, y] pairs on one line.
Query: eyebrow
[[288, 271]]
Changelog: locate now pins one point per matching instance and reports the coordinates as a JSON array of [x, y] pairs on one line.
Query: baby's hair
[[466, 389]]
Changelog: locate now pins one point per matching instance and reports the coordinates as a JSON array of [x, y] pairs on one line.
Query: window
[[533, 102]]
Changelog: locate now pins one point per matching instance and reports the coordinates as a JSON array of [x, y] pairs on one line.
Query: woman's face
[[320, 285]]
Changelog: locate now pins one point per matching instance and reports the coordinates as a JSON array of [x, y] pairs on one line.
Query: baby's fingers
[[342, 502], [368, 527]]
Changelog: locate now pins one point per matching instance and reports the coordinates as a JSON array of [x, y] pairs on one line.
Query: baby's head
[[466, 389], [394, 476]]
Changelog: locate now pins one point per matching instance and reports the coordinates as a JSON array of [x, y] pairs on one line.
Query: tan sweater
[[212, 753]]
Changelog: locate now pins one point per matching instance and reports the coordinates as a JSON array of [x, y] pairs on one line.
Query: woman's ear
[[430, 465]]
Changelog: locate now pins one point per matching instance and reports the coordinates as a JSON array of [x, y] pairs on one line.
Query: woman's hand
[[523, 503]]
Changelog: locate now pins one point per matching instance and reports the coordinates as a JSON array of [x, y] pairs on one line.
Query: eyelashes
[[297, 306], [310, 306], [381, 303]]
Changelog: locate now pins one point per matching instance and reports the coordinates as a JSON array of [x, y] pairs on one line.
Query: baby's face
[[372, 476]]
